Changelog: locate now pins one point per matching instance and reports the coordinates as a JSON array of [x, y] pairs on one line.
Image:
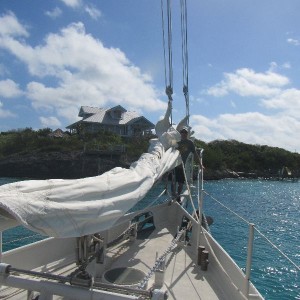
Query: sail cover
[[71, 208]]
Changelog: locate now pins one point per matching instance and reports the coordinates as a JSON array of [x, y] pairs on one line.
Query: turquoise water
[[273, 207]]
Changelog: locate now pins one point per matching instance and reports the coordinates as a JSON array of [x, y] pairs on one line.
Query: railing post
[[200, 195], [249, 259], [0, 246]]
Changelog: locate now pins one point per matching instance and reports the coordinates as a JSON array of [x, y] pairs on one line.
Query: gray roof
[[89, 110], [103, 116]]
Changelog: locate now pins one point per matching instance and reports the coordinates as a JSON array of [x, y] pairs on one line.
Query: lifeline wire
[[247, 222]]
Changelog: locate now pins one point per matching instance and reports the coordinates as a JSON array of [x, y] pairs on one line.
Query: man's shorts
[[179, 175]]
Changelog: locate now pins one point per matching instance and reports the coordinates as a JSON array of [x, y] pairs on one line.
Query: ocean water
[[273, 206]]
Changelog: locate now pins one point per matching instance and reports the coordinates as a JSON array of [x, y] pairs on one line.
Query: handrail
[[250, 246], [280, 251], [258, 231], [190, 194]]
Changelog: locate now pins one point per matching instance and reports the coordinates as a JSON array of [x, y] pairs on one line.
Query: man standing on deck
[[185, 147]]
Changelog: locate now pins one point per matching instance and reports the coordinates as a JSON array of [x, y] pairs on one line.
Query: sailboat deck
[[182, 276]]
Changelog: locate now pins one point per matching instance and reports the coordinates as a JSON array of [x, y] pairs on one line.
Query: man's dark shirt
[[185, 147]]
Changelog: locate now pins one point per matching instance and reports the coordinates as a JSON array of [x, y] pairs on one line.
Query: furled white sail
[[69, 208]]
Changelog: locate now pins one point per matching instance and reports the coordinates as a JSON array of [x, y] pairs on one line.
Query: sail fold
[[71, 208]]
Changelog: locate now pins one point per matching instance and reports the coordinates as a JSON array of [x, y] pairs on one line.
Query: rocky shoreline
[[78, 164], [63, 165]]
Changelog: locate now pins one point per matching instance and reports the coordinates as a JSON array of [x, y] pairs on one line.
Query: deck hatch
[[124, 276]]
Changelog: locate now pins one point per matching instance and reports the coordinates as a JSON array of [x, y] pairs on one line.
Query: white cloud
[[72, 3], [93, 12], [275, 67], [9, 89], [5, 113], [250, 128], [293, 42], [50, 122], [288, 101], [270, 89], [90, 9], [10, 26], [85, 72], [55, 13], [286, 65], [246, 82]]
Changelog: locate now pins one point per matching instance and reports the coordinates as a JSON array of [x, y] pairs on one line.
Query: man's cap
[[184, 129]]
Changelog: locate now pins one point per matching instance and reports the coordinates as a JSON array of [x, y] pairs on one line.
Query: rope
[[189, 192], [170, 44], [164, 39], [259, 232], [162, 193], [169, 80], [283, 254], [185, 69], [237, 215]]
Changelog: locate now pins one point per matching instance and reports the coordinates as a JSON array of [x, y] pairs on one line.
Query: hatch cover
[[124, 276]]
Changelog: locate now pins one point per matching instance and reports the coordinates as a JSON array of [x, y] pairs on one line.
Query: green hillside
[[218, 155]]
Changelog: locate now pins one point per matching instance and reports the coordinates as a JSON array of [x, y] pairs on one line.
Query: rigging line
[[169, 73], [185, 72], [169, 11], [184, 41], [158, 197], [169, 87], [255, 228], [164, 40], [297, 267], [189, 193], [237, 215]]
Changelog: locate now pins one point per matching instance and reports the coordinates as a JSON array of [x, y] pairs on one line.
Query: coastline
[[80, 164]]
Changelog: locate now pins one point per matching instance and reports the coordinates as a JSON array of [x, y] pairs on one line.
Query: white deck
[[183, 277]]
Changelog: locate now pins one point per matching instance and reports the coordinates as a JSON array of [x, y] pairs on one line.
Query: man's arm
[[197, 157]]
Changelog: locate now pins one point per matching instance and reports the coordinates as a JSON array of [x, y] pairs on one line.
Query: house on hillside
[[116, 119]]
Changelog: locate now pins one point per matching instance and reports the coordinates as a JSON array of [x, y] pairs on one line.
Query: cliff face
[[68, 165]]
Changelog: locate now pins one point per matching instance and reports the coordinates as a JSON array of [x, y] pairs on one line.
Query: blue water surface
[[273, 206]]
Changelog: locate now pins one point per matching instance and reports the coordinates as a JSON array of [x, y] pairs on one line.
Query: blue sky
[[244, 65]]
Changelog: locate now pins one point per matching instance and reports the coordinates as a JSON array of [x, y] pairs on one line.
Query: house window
[[116, 114]]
